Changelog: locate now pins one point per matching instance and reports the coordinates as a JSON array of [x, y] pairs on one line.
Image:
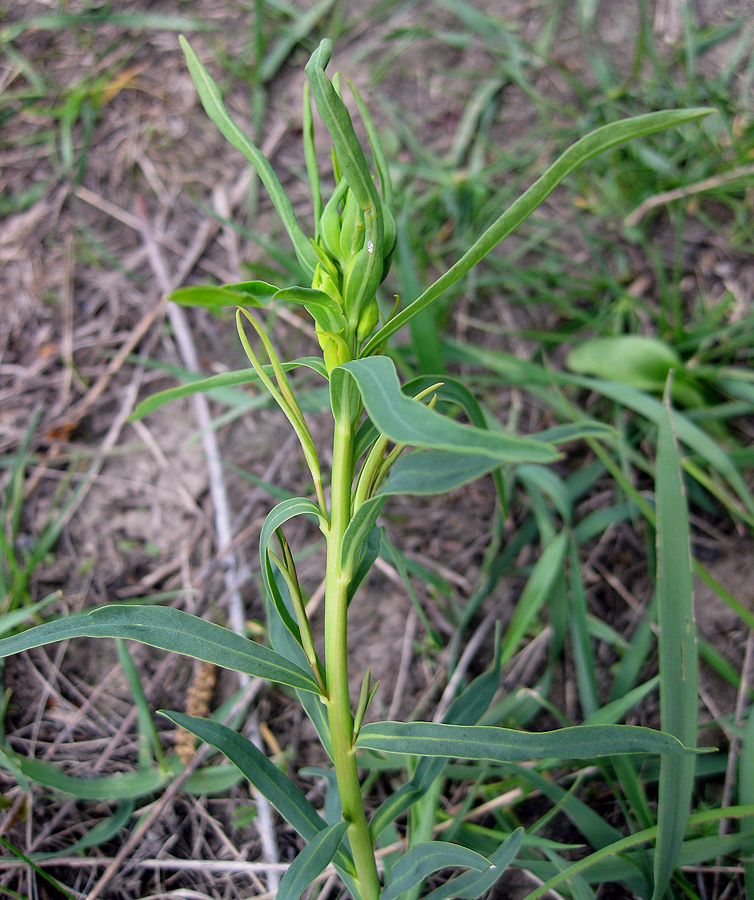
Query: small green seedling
[[387, 439]]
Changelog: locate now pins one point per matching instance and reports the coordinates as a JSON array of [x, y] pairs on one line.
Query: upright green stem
[[336, 661]]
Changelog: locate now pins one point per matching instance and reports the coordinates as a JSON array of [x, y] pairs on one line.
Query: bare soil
[[142, 188]]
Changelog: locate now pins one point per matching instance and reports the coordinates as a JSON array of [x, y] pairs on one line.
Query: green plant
[[374, 420]]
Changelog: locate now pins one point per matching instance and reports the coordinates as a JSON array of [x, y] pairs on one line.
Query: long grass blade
[[677, 650]]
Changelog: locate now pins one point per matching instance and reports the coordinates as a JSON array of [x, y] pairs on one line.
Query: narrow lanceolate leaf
[[677, 651], [273, 784], [312, 860], [212, 101], [168, 629], [282, 513], [589, 146], [121, 786], [472, 884], [423, 860], [435, 472], [407, 421], [217, 382], [506, 745], [249, 293]]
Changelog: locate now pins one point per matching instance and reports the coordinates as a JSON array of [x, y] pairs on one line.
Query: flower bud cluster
[[354, 247]]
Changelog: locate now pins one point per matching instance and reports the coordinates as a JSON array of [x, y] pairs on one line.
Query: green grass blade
[[97, 834], [746, 795], [407, 421], [312, 860], [212, 101], [168, 629], [677, 650], [505, 745], [537, 590], [45, 876], [589, 146]]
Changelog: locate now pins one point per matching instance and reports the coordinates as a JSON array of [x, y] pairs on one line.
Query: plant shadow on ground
[[109, 167]]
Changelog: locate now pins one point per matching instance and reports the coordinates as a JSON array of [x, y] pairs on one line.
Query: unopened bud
[[367, 320]]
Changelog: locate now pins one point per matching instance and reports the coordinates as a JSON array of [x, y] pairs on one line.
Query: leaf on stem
[[584, 149], [282, 513], [247, 293], [506, 745], [407, 421], [312, 860], [474, 884], [168, 629], [423, 860], [677, 651]]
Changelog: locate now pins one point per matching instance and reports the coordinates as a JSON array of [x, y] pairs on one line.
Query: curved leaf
[[168, 629], [423, 860], [121, 786], [283, 794], [215, 109], [473, 884], [584, 149], [280, 514], [248, 293], [408, 421], [506, 745], [312, 860], [224, 379]]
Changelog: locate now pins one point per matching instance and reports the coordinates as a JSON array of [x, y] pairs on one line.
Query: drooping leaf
[[168, 629], [408, 421], [312, 860], [215, 382], [423, 860], [282, 513], [506, 745], [249, 293], [471, 885]]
